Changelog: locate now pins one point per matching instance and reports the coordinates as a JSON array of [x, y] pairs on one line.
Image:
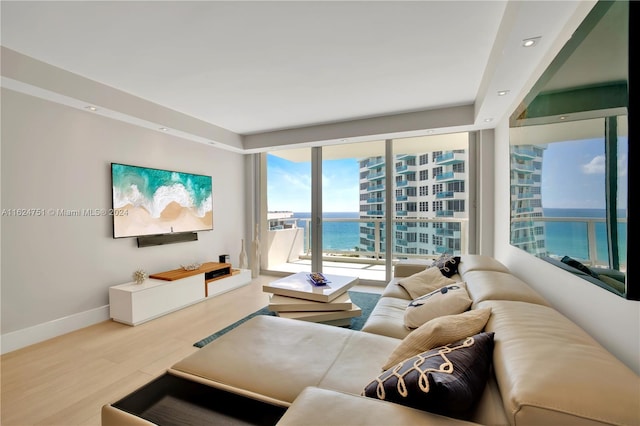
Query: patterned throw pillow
[[439, 331], [424, 282], [447, 380], [448, 264], [448, 300]]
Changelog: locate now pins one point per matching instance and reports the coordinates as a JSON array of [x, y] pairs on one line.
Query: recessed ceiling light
[[91, 108], [563, 117], [530, 42], [502, 92], [488, 120], [164, 129]]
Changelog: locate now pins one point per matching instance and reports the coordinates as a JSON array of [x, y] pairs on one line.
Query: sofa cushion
[[448, 300], [387, 318], [612, 282], [424, 282], [550, 371], [261, 357], [349, 409], [494, 285], [478, 262], [393, 289], [446, 380], [438, 332], [406, 267]]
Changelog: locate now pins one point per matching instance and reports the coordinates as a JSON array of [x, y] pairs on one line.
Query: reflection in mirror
[[569, 155]]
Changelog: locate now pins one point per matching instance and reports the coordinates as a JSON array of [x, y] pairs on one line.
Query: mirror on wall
[[569, 155]]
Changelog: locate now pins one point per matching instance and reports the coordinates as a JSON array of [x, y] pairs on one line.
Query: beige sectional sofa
[[545, 369]]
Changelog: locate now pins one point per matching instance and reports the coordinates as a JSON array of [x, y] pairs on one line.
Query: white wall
[[610, 319], [56, 271]]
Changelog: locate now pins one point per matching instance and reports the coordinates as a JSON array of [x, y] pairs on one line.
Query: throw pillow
[[612, 282], [579, 266], [424, 282], [440, 261], [447, 264], [437, 332], [446, 380], [448, 300]]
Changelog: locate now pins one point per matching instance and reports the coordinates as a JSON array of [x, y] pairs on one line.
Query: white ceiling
[[249, 68]]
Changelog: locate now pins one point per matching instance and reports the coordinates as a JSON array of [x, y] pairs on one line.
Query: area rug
[[366, 302]]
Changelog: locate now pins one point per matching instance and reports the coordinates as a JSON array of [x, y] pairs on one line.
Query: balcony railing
[[373, 188], [450, 158], [376, 164], [523, 152], [588, 238], [289, 243], [444, 194], [523, 182], [375, 200], [292, 245], [522, 167]]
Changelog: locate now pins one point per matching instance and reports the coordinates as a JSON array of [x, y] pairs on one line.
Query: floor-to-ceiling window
[[288, 204], [378, 202], [353, 196]]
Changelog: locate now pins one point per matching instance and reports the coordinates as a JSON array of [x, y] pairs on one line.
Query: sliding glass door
[[288, 205], [353, 195]]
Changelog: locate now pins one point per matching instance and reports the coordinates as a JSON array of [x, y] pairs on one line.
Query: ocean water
[[336, 235], [566, 238], [570, 238]]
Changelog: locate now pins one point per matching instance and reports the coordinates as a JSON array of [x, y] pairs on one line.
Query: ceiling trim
[[36, 78], [32, 77]]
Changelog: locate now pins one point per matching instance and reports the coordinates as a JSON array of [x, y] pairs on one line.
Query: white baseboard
[[41, 332]]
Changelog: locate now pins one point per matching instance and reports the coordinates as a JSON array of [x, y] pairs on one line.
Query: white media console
[[162, 293]]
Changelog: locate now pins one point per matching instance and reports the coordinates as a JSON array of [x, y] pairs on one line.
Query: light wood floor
[[66, 380]]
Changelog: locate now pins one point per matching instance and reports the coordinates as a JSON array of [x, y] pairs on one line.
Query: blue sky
[[573, 174], [289, 185]]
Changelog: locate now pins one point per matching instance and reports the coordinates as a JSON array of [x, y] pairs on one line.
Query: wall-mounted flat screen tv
[[150, 201]]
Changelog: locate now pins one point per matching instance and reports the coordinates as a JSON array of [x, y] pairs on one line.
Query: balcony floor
[[367, 272]]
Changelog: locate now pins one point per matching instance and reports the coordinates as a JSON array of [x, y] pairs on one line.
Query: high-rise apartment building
[[426, 186], [526, 199]]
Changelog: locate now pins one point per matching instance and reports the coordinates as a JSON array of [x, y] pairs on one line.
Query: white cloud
[[296, 181], [595, 166]]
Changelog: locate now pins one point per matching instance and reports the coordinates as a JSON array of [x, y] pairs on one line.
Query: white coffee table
[[296, 297], [299, 286]]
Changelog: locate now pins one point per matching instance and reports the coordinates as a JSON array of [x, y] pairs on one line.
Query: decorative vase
[[243, 257], [255, 252], [139, 276]]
